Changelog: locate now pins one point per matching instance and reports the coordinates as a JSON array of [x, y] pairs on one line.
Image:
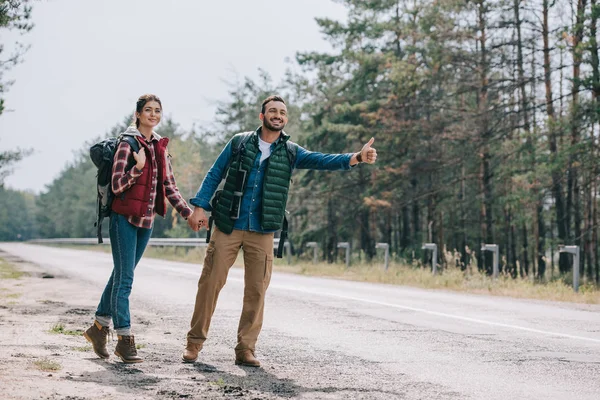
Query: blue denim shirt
[[251, 206]]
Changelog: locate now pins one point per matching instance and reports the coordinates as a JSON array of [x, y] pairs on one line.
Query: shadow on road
[[265, 382]]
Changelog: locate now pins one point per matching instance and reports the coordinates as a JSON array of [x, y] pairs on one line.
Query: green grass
[[140, 346], [59, 329], [415, 275], [47, 365], [83, 349], [219, 382], [9, 271]]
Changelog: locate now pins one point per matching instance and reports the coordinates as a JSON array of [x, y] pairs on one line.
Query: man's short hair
[[268, 99]]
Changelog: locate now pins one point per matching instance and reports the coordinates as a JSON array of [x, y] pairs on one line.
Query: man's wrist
[[359, 157]]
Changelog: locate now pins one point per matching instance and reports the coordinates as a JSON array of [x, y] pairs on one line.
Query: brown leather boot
[[126, 350], [190, 354], [97, 336], [246, 357]]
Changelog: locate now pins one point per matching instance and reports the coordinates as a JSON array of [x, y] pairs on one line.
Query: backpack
[[102, 155], [237, 149]]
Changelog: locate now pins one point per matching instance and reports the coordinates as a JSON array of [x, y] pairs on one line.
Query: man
[[251, 208]]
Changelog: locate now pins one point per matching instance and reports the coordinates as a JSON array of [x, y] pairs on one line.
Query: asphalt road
[[381, 341]]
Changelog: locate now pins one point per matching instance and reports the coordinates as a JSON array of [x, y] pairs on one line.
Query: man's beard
[[271, 127]]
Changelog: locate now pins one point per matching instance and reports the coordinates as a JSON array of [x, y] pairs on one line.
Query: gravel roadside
[[44, 355]]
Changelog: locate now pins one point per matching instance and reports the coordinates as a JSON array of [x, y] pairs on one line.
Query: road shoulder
[[44, 355]]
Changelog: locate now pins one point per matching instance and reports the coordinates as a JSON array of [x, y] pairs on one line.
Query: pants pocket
[[208, 261], [268, 268]]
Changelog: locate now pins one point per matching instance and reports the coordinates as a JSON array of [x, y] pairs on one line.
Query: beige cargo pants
[[220, 256]]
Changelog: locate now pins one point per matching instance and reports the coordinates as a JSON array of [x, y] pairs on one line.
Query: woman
[[140, 182]]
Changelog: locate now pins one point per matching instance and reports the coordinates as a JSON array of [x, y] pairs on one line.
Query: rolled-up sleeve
[[173, 194], [306, 159], [212, 179]]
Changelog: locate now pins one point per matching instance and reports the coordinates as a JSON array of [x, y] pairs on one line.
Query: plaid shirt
[[123, 180]]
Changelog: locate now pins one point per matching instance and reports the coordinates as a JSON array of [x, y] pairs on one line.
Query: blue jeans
[[128, 243]]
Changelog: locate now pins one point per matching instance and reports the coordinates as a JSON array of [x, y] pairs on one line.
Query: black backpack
[[237, 149], [102, 155]]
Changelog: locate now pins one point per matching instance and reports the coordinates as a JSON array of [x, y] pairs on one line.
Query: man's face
[[275, 117]]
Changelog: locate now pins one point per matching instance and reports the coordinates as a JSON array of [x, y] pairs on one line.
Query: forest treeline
[[486, 120]]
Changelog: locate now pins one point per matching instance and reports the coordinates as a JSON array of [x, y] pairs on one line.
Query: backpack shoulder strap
[[292, 152], [239, 141], [135, 145]]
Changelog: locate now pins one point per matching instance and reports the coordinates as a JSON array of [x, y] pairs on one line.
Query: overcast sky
[[89, 61]]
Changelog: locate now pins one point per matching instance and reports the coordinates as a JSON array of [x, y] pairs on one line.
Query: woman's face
[[150, 115]]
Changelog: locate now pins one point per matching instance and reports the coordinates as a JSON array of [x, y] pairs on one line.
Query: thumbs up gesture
[[368, 154]]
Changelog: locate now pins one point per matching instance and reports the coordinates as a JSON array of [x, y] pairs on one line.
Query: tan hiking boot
[[97, 335], [246, 357], [190, 354], [126, 350]]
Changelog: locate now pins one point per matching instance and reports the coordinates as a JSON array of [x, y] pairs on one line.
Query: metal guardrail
[[345, 245], [178, 242], [433, 247], [493, 248], [575, 251], [196, 242], [386, 248], [315, 248], [201, 242]]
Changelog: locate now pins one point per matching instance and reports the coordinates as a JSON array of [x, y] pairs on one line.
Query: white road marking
[[416, 309]]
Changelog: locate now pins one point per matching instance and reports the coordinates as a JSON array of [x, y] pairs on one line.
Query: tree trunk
[[405, 237], [573, 182], [485, 171], [465, 258], [525, 263], [595, 233], [416, 220], [594, 266], [557, 188], [514, 246], [331, 241], [366, 241], [508, 239]]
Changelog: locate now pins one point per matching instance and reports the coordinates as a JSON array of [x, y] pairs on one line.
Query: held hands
[[198, 219], [140, 159], [367, 154]]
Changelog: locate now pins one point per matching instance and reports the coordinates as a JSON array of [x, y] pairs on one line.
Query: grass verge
[[83, 349], [59, 329], [9, 271], [47, 365], [449, 279]]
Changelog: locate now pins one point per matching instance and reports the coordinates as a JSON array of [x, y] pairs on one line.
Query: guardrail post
[[494, 248], [315, 250], [575, 251], [432, 246], [385, 246], [345, 245], [286, 247]]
